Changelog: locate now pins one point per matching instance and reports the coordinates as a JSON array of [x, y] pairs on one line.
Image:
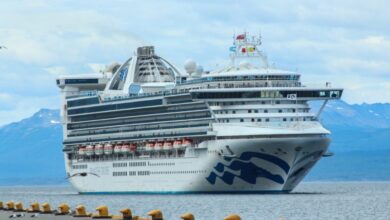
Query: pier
[[16, 210]]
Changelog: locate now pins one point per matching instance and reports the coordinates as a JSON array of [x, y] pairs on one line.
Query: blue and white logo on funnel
[[249, 171]]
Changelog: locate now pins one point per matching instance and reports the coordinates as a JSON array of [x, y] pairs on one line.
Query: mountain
[[32, 149], [364, 127]]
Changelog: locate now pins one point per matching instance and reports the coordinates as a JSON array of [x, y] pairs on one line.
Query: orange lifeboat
[[108, 149], [167, 145], [187, 143], [159, 145], [133, 147], [81, 151], [117, 148], [89, 150], [177, 144], [149, 146], [98, 149], [125, 148]]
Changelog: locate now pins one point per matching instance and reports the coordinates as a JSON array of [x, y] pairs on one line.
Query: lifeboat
[[81, 151], [117, 148], [89, 150], [167, 145], [187, 143], [98, 149], [108, 149], [149, 146], [159, 145], [125, 148], [177, 144], [133, 147]]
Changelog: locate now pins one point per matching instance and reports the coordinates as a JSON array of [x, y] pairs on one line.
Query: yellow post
[[232, 217], [63, 209], [156, 214], [46, 208], [10, 205], [126, 214], [1, 205], [81, 212], [34, 207], [19, 207], [102, 212], [187, 216]]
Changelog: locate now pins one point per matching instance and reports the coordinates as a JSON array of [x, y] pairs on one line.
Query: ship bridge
[[145, 72]]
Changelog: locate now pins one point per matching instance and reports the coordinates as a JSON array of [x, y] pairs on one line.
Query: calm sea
[[310, 200]]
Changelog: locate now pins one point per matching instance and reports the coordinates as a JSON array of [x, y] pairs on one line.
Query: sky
[[344, 42]]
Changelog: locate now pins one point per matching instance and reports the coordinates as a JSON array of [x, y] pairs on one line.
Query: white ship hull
[[258, 165]]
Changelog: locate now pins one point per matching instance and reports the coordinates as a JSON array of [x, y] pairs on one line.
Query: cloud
[[346, 42]]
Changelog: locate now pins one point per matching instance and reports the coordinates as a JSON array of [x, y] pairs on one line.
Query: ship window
[[284, 119], [256, 111], [227, 120], [249, 111], [253, 120], [265, 111], [241, 120], [267, 119], [293, 110], [280, 111], [259, 119], [234, 112]]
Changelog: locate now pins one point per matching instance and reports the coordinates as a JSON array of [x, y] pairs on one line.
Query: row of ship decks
[[132, 148]]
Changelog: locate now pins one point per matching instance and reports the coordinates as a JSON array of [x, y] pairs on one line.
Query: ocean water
[[310, 200]]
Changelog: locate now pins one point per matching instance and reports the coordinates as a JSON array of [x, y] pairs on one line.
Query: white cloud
[[344, 42]]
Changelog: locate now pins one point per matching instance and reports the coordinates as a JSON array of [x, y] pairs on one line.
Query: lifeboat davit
[[117, 148], [98, 149], [108, 149], [81, 151], [149, 146], [133, 147], [159, 145], [177, 144], [125, 149], [167, 145], [187, 143], [89, 150]]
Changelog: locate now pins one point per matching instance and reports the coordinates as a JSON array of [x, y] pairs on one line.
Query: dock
[[12, 210]]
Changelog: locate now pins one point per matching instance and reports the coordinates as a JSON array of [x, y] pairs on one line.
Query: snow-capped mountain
[[342, 114], [31, 148]]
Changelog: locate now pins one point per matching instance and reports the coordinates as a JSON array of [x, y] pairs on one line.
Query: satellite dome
[[190, 66], [199, 70]]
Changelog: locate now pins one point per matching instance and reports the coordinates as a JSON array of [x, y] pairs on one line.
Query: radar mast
[[247, 47]]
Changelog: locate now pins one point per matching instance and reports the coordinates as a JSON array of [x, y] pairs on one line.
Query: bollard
[[156, 214], [1, 206], [126, 215], [46, 209], [63, 209], [102, 212], [187, 216], [81, 212], [34, 207], [10, 205], [232, 217], [19, 207]]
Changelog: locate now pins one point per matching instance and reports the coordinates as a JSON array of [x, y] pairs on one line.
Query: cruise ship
[[146, 126]]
